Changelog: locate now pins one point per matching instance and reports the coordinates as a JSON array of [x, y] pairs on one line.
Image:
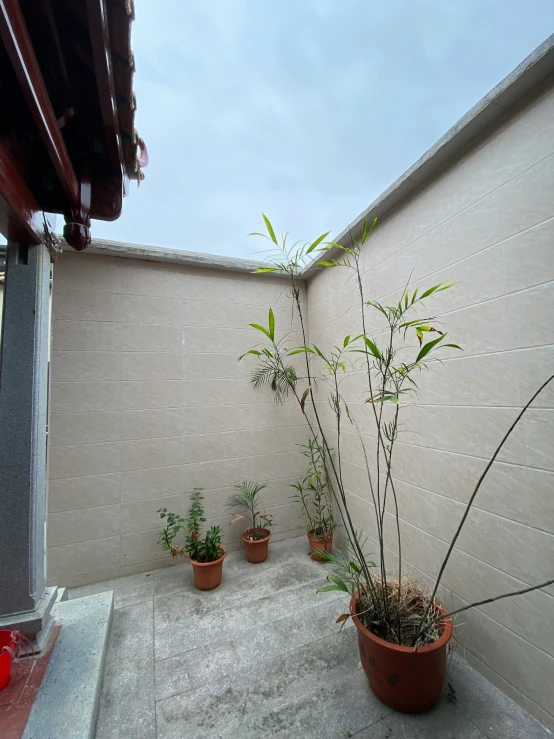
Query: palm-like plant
[[248, 499]]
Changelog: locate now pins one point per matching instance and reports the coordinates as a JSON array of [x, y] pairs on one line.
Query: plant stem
[[482, 603], [470, 503]]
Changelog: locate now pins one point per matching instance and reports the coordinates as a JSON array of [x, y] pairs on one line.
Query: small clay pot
[[404, 679], [207, 575], [325, 545], [256, 550]]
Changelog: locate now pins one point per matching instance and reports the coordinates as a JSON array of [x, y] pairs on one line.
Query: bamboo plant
[[389, 603], [314, 493]]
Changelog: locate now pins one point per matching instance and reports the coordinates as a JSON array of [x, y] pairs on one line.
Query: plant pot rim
[[194, 563], [255, 541], [443, 639], [319, 538]]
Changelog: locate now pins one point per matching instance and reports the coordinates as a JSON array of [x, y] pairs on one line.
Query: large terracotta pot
[[325, 545], [207, 575], [256, 551], [401, 678]]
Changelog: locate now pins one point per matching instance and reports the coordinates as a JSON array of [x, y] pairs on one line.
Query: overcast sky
[[305, 109]]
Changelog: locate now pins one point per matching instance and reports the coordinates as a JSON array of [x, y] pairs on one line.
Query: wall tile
[[146, 338], [152, 394], [143, 309], [85, 366], [83, 492], [141, 515], [83, 525], [100, 274], [84, 428], [70, 560], [80, 397], [84, 459], [210, 367], [86, 305], [208, 314], [145, 453], [152, 483], [151, 365], [154, 423], [97, 336]]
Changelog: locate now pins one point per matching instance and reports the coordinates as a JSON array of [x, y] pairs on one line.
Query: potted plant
[[206, 554], [403, 630], [256, 537], [316, 499]]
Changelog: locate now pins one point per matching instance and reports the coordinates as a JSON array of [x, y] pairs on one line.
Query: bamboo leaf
[[271, 325], [264, 269], [372, 348], [343, 617], [317, 242], [301, 350], [426, 348], [260, 328], [346, 341], [270, 230], [328, 264]]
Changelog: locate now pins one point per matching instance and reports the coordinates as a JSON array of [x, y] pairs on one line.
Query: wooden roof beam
[[102, 58], [19, 211], [18, 44]]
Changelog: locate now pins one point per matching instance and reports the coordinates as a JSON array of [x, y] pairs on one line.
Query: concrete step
[[66, 704]]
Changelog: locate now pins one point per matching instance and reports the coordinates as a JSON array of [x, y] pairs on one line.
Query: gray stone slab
[[127, 706], [67, 701], [227, 658], [226, 708], [489, 708], [444, 722], [127, 591], [334, 709], [232, 623]]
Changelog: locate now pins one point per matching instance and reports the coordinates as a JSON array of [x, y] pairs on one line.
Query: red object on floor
[[7, 648], [16, 700]]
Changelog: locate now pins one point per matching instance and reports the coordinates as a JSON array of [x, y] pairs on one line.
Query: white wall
[[148, 400], [488, 223]]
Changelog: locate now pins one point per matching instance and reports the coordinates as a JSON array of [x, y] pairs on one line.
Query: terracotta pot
[[401, 678], [325, 545], [207, 575], [256, 551]]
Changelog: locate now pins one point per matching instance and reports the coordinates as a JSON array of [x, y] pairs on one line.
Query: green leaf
[[346, 341], [271, 325], [264, 269], [317, 242], [372, 348], [300, 350], [340, 585], [328, 589], [260, 328], [328, 264], [270, 230], [426, 348], [436, 288]]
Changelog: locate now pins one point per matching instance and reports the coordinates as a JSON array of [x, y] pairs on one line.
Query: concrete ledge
[[176, 256], [66, 704]]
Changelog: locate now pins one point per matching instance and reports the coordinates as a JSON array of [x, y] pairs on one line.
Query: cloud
[[306, 109]]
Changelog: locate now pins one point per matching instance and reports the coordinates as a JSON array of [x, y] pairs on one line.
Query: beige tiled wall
[[148, 400], [488, 223]]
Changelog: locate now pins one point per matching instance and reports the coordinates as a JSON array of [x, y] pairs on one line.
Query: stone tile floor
[[261, 656]]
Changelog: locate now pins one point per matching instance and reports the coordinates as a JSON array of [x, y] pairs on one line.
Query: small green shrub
[[199, 549]]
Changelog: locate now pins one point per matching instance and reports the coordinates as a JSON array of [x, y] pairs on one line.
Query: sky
[[303, 109]]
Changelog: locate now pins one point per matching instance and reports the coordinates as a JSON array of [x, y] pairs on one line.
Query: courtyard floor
[[261, 656]]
